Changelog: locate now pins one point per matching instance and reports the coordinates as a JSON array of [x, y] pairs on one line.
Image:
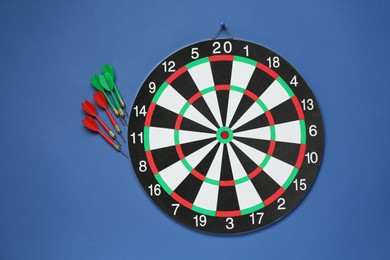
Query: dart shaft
[[111, 142], [118, 106], [119, 96], [106, 128], [112, 119], [109, 102]]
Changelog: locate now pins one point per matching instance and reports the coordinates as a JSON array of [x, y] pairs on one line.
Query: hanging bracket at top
[[222, 28]]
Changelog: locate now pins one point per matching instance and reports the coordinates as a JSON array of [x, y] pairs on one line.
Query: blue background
[[65, 194]]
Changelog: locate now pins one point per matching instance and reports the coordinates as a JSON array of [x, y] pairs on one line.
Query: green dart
[[108, 87], [96, 84], [108, 72], [112, 85]]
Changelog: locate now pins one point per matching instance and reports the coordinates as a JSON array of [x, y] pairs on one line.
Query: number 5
[[194, 53]]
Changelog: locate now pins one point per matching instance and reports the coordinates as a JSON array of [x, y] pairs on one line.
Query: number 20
[[227, 47]]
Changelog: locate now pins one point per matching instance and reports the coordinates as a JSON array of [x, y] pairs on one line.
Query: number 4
[[294, 81]]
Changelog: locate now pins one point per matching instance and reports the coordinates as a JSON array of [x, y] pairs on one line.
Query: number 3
[[229, 223]]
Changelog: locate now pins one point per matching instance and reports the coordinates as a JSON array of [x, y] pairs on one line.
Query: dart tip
[[123, 154], [118, 149], [124, 140], [117, 129], [121, 114]]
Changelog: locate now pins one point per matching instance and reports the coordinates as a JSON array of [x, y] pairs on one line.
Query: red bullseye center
[[225, 135]]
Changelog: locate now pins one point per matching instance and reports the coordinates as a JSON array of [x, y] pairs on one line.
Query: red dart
[[90, 109], [91, 124], [101, 100]]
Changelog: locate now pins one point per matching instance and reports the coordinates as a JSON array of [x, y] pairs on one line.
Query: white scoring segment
[[263, 133], [207, 196], [203, 78], [255, 155], [202, 75], [253, 111], [174, 174], [194, 114], [237, 168], [241, 74], [274, 95], [161, 137], [234, 100], [173, 101], [289, 132], [247, 195], [191, 136], [278, 170], [212, 102], [196, 157], [214, 171]]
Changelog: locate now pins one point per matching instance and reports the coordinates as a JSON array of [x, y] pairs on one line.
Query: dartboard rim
[[308, 91]]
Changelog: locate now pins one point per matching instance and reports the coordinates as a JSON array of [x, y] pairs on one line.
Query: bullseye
[[225, 135]]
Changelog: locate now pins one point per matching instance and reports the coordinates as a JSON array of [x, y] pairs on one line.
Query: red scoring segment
[[225, 135]]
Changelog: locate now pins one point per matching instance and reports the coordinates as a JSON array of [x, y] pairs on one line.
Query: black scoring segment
[[257, 122], [223, 100], [261, 145], [165, 157], [245, 103], [202, 107], [245, 161], [285, 112], [189, 148], [264, 185], [163, 117], [227, 198], [222, 72], [185, 85], [188, 124], [226, 171], [204, 165], [259, 82], [189, 188], [287, 152]]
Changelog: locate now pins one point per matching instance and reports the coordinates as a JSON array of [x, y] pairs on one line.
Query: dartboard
[[225, 136]]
